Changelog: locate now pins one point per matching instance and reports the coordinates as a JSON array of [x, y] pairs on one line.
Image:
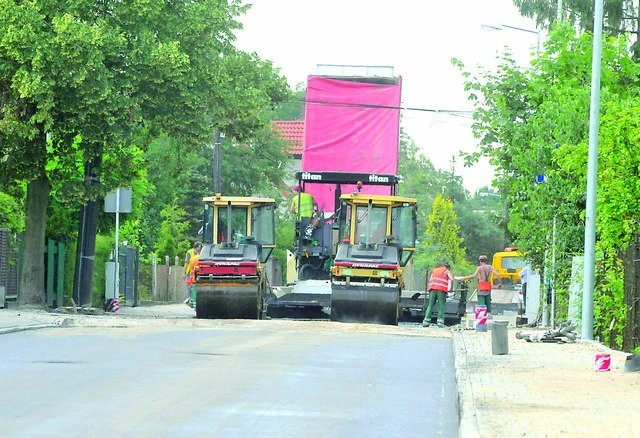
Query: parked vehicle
[[508, 263]]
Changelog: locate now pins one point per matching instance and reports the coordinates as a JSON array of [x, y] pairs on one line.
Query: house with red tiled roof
[[292, 131]]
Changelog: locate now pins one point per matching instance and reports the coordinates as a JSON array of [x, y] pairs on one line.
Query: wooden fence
[[165, 282]]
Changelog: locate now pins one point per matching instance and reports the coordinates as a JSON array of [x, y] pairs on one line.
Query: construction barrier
[[603, 362], [481, 318]]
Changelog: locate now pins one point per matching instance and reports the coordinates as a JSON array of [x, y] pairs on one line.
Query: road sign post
[[117, 201]]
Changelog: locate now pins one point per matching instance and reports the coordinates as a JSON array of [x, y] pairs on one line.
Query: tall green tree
[[621, 17], [441, 241], [293, 108], [176, 170], [617, 223], [533, 126], [482, 224], [106, 71], [11, 213]]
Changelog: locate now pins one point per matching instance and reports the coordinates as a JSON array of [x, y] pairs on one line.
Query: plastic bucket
[[603, 362]]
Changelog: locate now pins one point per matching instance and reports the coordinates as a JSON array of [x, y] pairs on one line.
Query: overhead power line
[[404, 108]]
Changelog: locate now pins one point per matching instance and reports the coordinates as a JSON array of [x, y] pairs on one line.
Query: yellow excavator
[[238, 239], [378, 239]]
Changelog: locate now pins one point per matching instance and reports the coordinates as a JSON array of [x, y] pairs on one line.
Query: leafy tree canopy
[[84, 81], [534, 123], [620, 17]]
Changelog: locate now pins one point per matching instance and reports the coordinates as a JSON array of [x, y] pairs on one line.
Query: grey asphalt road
[[231, 379]]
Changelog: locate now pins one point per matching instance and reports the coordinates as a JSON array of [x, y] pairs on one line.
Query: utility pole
[[559, 15], [453, 175], [592, 178], [217, 163], [87, 230]]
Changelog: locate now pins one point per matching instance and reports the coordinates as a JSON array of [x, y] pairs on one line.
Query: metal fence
[[9, 262], [54, 262]]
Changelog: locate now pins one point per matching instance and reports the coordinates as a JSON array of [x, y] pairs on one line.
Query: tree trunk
[[32, 290]]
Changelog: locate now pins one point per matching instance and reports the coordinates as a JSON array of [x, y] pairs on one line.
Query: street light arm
[[537, 32], [520, 28], [508, 26], [491, 27]]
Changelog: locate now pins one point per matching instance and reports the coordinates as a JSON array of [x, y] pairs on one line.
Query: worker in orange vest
[[188, 268], [440, 283]]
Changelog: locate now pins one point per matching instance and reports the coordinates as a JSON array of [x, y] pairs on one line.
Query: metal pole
[[155, 277], [116, 282], [217, 182], [545, 288], [553, 276], [214, 167], [592, 176], [229, 236], [559, 15], [520, 28]]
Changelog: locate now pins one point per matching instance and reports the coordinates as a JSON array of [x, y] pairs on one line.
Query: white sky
[[417, 38]]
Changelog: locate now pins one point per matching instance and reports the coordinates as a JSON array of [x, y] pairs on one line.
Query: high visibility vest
[[306, 204], [439, 279], [192, 264], [190, 254]]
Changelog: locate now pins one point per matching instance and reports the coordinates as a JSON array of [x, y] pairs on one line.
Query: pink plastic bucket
[[603, 362]]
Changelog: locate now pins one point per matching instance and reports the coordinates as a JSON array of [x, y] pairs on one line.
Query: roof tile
[[291, 131]]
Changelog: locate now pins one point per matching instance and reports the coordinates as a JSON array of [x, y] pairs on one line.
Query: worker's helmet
[[482, 258], [446, 265]]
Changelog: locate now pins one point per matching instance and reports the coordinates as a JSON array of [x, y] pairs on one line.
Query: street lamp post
[[217, 163], [592, 178]]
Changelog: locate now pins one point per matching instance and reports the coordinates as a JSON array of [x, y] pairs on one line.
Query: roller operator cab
[[378, 239], [238, 239]]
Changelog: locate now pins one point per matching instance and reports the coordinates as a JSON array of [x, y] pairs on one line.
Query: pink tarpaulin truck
[[351, 145], [352, 127]]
